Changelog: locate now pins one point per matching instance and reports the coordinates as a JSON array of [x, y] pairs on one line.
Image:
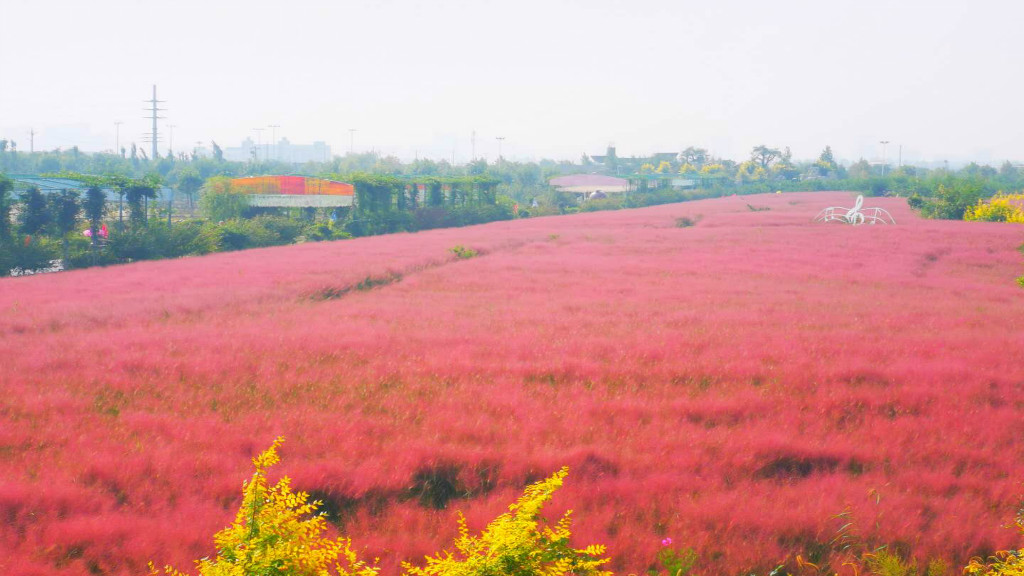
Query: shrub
[[222, 203], [674, 562], [999, 208], [515, 544], [885, 563], [239, 234], [462, 253], [286, 229], [133, 244], [277, 532], [323, 232], [27, 256]]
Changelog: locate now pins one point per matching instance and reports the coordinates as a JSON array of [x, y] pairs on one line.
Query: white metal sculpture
[[856, 216]]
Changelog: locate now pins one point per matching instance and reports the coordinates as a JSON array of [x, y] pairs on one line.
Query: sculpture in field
[[856, 216]]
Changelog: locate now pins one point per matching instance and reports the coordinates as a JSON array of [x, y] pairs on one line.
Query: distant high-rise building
[[282, 151]]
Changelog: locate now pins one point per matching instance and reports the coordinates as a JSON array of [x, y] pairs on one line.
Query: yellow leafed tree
[[517, 544]]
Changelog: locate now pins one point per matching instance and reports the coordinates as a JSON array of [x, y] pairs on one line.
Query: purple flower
[[666, 542]]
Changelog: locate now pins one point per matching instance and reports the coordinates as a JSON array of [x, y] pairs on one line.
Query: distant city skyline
[[555, 80]]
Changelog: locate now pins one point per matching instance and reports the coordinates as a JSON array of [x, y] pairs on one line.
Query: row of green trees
[[45, 221], [383, 203], [37, 230]]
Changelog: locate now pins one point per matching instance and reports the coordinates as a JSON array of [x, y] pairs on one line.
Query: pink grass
[[732, 385]]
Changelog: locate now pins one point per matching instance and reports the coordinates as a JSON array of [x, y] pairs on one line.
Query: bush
[[277, 532], [223, 204], [674, 562], [240, 234], [516, 544], [133, 244], [462, 253], [286, 229], [27, 257], [999, 208]]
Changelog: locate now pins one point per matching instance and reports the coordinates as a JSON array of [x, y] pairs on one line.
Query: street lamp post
[[259, 142], [117, 137], [883, 143], [273, 141]]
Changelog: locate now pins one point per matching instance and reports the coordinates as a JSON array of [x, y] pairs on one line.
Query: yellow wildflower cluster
[[277, 531], [999, 208], [515, 544]]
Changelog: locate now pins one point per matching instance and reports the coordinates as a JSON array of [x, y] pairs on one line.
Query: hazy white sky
[[556, 78]]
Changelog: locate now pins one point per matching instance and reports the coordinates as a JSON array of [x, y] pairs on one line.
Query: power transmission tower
[[154, 111]]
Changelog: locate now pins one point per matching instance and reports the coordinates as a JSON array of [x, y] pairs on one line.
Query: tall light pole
[[500, 139], [883, 143], [259, 142], [352, 140], [273, 140], [117, 137]]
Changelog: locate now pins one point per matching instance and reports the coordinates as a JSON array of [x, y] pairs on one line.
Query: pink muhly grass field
[[732, 385]]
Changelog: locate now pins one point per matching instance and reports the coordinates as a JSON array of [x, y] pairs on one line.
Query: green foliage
[[66, 208], [674, 562], [277, 532], [35, 214], [21, 257], [240, 234], [462, 253], [6, 185], [134, 244], [322, 232], [885, 563], [187, 238], [224, 204], [135, 193], [189, 183], [95, 206], [952, 199], [764, 155], [518, 543]]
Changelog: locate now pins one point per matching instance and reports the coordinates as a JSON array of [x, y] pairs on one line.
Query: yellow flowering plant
[[999, 208], [277, 532], [517, 543]]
